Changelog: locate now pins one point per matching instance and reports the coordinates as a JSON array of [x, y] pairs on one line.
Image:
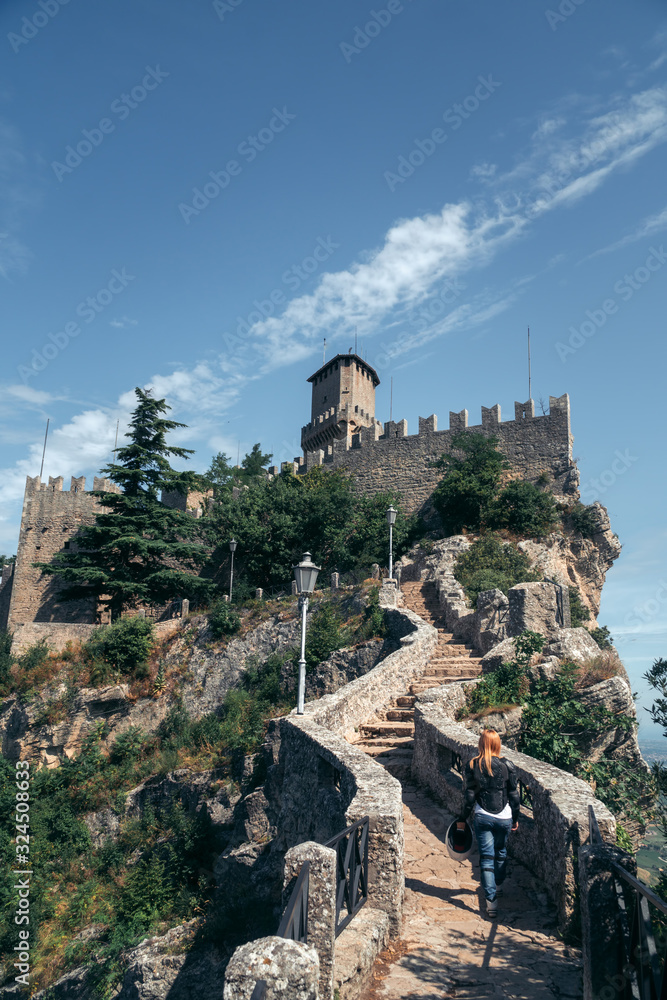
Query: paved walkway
[[448, 946]]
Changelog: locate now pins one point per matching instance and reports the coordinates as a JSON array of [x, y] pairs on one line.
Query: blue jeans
[[492, 835]]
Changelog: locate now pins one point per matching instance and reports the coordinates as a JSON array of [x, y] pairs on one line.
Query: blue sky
[[194, 195]]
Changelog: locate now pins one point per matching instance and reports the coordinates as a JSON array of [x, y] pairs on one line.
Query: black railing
[[457, 763], [640, 971], [351, 848], [294, 924]]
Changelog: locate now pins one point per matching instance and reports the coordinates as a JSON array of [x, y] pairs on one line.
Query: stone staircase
[[389, 736]]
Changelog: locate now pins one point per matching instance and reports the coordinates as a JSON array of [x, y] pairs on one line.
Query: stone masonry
[[344, 433]]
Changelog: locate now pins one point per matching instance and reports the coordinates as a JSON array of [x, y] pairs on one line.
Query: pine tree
[[138, 550]]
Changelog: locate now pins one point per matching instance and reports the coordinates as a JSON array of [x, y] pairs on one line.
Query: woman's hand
[[461, 825], [515, 827]]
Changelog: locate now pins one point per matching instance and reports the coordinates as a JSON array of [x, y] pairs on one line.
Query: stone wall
[[394, 460], [50, 521], [550, 833]]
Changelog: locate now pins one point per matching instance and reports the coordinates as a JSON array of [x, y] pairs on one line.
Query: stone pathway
[[448, 946]]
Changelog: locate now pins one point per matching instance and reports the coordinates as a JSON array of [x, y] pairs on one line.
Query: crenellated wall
[[382, 458], [50, 521]]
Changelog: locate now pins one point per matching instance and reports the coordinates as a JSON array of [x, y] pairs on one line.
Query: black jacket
[[492, 792]]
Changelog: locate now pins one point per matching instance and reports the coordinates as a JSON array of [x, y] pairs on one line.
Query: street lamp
[[232, 549], [305, 574], [391, 519]]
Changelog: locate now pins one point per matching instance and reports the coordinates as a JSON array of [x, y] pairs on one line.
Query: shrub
[[508, 685], [599, 668], [374, 625], [325, 634], [6, 658], [584, 520], [490, 563], [523, 509], [579, 613], [128, 746], [603, 637], [223, 619], [33, 657], [125, 645]]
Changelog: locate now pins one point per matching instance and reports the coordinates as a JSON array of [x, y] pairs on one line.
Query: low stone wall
[[58, 634], [326, 785], [550, 833]]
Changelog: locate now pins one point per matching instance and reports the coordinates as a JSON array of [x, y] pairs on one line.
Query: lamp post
[[391, 519], [305, 574], [232, 549]]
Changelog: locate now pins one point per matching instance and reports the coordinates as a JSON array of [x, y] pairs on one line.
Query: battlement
[[385, 456], [34, 484]]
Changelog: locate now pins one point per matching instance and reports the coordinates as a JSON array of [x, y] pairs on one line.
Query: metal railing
[[351, 848], [525, 796], [259, 991], [640, 969], [294, 924]]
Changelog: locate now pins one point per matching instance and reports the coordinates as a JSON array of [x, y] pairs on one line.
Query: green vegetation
[[603, 637], [223, 619], [471, 482], [138, 550], [579, 613], [508, 685], [523, 509], [584, 520], [275, 521], [124, 645], [490, 563], [222, 476], [6, 659], [559, 728]]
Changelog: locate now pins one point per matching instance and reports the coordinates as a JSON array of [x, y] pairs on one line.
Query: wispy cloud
[[17, 194], [123, 322], [650, 226]]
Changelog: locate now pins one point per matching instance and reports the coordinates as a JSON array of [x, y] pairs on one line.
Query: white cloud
[[650, 226], [483, 171], [26, 394], [123, 322]]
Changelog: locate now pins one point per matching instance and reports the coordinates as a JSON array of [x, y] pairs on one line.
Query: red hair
[[489, 746]]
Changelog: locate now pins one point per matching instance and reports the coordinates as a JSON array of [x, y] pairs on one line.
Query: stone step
[[405, 701], [399, 714], [387, 728]]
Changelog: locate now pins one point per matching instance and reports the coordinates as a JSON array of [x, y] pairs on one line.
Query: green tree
[[254, 463], [523, 509], [471, 481], [579, 613], [220, 474], [138, 549]]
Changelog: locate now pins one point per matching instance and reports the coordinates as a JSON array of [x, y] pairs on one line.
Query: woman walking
[[491, 790]]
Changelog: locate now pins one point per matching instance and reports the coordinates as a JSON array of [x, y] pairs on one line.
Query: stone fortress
[[343, 432]]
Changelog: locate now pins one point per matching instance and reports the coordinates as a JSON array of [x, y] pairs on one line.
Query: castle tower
[[343, 401]]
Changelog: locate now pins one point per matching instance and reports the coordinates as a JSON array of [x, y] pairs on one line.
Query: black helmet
[[459, 843]]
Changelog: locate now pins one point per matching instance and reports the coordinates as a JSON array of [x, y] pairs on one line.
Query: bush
[[523, 509], [374, 625], [508, 685], [599, 668], [603, 637], [6, 658], [223, 619], [325, 634], [584, 520], [579, 613], [124, 645], [33, 657], [128, 746], [490, 563]]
